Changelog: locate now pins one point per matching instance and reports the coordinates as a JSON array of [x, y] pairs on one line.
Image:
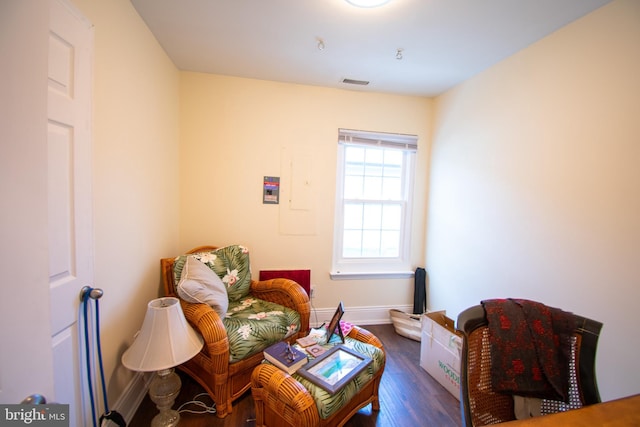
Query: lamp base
[[168, 418], [163, 391]]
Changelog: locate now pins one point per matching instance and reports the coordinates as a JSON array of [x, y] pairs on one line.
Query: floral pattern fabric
[[253, 324], [230, 263]]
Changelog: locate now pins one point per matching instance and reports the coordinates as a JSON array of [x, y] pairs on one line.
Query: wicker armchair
[[480, 405], [211, 368], [280, 400]]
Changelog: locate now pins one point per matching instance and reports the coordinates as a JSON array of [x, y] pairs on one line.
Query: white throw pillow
[[199, 284]]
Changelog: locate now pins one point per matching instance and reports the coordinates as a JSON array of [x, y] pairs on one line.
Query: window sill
[[335, 275]]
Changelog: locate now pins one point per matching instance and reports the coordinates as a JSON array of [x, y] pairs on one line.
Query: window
[[373, 205]]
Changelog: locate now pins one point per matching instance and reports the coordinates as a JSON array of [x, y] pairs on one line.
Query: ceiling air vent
[[355, 82]]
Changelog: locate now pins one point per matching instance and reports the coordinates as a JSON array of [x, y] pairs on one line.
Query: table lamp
[[166, 340]]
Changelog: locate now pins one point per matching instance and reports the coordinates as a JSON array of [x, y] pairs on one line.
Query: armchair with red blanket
[[523, 358]]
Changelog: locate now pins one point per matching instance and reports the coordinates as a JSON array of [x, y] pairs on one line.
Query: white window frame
[[375, 267]]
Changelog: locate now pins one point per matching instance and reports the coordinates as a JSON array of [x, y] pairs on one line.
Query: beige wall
[[234, 132], [135, 153], [535, 185]]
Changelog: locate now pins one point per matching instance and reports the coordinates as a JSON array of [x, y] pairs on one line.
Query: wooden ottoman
[[281, 400]]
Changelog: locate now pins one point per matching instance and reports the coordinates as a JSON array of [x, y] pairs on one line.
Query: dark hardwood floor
[[408, 395]]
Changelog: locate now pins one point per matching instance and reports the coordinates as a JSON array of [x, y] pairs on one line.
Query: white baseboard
[[371, 315], [132, 396]]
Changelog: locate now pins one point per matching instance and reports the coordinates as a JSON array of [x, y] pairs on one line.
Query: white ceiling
[[444, 42]]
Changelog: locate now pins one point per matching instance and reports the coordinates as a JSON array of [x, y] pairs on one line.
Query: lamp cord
[[206, 409]]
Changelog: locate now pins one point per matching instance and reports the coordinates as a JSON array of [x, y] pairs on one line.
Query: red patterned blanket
[[530, 348]]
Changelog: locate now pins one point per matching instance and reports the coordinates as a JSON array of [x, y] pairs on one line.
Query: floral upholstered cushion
[[327, 403], [230, 263], [253, 324]]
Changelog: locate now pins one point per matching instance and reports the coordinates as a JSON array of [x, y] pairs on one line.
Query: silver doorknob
[[94, 293], [34, 399]]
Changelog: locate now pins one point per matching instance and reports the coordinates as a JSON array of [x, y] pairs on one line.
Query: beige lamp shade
[[165, 340]]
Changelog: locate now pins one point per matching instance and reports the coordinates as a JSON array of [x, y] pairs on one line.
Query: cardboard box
[[440, 350]]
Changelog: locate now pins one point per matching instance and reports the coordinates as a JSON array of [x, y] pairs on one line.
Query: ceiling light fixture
[[399, 53], [367, 3], [320, 44]]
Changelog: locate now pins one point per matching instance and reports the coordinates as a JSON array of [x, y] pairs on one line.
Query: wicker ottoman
[[280, 400]]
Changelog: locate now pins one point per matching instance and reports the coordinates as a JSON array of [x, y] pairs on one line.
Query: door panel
[[69, 195]]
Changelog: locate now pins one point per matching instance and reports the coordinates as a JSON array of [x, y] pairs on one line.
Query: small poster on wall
[[271, 190]]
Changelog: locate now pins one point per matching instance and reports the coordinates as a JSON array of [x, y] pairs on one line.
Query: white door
[[25, 352], [69, 196]]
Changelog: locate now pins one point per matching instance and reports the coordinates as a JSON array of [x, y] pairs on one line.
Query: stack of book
[[285, 357]]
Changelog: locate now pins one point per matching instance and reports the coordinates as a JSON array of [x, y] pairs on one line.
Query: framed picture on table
[[335, 368], [335, 324]]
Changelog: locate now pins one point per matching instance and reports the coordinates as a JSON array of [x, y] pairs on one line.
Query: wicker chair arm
[[207, 322], [365, 336], [287, 293], [273, 386]]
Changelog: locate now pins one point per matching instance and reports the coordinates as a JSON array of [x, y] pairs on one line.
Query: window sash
[[353, 259], [372, 226]]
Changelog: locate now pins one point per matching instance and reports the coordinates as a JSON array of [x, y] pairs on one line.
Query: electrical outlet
[[312, 292]]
